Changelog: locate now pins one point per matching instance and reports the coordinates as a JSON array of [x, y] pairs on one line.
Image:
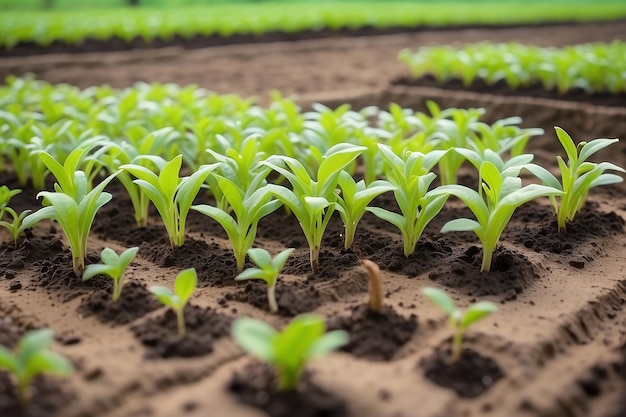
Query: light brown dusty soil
[[560, 331]]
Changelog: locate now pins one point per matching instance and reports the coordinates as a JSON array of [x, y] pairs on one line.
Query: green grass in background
[[74, 26]]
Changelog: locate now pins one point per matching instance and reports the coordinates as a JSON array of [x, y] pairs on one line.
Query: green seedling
[[353, 201], [578, 175], [5, 196], [184, 286], [247, 210], [172, 196], [268, 270], [313, 201], [32, 358], [493, 206], [411, 178], [19, 223], [459, 320], [112, 265], [73, 205], [288, 351]]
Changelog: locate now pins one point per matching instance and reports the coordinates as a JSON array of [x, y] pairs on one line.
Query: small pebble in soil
[[577, 263], [15, 285]]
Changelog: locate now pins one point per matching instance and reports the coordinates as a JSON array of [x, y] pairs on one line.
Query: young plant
[[5, 196], [459, 320], [353, 201], [268, 270], [498, 198], [112, 265], [289, 350], [32, 358], [411, 178], [578, 175], [171, 195], [248, 209], [313, 202], [18, 223], [73, 205], [184, 286]]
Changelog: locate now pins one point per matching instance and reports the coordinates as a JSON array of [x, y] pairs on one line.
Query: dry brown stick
[[375, 285]]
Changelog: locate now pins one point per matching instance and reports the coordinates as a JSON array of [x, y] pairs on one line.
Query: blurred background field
[[43, 22]]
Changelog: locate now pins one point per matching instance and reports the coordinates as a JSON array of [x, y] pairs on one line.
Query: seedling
[[376, 293], [112, 265], [493, 206], [32, 358], [459, 320], [288, 351], [248, 209], [171, 195], [353, 201], [313, 202], [268, 270], [184, 286], [578, 175], [411, 178]]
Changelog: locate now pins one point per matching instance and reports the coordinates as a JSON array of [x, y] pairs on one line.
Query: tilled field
[[556, 347]]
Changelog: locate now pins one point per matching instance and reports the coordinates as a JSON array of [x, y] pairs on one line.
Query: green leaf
[[109, 256], [316, 204], [391, 217], [329, 342], [567, 143], [255, 337], [594, 146], [441, 299], [260, 256], [460, 225], [33, 342], [476, 312], [252, 273], [49, 362], [279, 260], [96, 269], [185, 284], [164, 295]]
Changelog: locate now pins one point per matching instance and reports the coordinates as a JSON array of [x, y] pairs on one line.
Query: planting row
[[74, 27], [318, 153], [594, 67]]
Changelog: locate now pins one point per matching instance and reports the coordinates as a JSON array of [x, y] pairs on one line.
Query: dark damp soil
[[9, 333], [135, 302], [214, 264], [375, 335], [331, 264], [427, 255], [501, 88], [293, 298], [510, 273], [255, 386], [48, 397], [203, 327], [469, 377]]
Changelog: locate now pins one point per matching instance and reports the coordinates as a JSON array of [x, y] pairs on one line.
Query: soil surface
[[557, 341]]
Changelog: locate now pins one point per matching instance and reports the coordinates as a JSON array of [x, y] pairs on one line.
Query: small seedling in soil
[[313, 202], [5, 196], [33, 358], [376, 294], [459, 320], [184, 286], [113, 266], [288, 351], [268, 270], [172, 196], [493, 205], [578, 175]]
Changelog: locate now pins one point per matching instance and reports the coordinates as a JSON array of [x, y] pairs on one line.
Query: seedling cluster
[[594, 67], [248, 162], [242, 154]]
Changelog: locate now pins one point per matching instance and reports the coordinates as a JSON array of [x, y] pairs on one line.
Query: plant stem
[[117, 289], [79, 265], [456, 346], [180, 318], [487, 255], [349, 230], [271, 298], [315, 258], [23, 394], [375, 286]]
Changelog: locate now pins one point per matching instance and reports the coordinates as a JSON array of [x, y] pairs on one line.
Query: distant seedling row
[[593, 67]]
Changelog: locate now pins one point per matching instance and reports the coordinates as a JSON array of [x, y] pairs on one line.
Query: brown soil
[[558, 337]]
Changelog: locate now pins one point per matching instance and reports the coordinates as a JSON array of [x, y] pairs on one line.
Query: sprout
[[184, 286], [113, 266], [459, 320], [268, 270], [289, 350], [33, 358], [578, 175]]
